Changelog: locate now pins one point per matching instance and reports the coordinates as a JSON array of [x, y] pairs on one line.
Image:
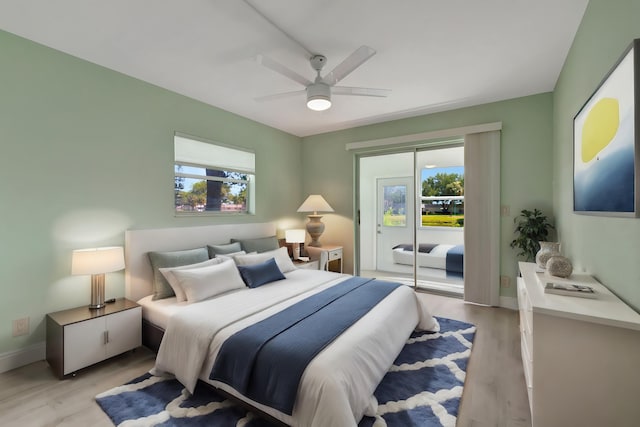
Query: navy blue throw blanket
[[265, 361], [455, 259]]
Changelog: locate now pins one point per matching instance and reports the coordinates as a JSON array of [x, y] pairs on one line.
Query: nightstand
[[309, 265], [80, 337], [329, 257]]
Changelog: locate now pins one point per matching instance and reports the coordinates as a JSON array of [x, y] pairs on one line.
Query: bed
[[439, 256], [336, 388]]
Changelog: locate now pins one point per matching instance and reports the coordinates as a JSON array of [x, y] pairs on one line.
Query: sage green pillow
[[261, 244], [229, 248], [161, 288]]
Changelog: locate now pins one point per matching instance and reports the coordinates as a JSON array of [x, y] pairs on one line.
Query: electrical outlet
[[505, 210], [505, 281], [21, 327]]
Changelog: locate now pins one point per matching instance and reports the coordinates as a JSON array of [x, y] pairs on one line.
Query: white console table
[[581, 356]]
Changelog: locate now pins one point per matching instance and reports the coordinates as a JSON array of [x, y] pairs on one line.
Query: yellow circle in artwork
[[599, 128]]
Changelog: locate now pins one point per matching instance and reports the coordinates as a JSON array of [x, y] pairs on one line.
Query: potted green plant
[[531, 227]]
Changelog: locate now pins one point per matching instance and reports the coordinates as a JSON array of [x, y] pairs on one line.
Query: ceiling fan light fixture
[[318, 97], [318, 104]]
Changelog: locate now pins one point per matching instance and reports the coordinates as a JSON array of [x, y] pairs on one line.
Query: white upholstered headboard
[[138, 273]]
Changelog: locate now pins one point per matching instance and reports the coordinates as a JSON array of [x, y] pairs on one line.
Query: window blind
[[216, 156]]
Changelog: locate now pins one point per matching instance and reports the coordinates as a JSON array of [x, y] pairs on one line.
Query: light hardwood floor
[[494, 393]]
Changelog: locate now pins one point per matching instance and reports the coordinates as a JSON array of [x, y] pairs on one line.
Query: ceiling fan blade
[[279, 96], [281, 69], [360, 91], [353, 61], [277, 27]]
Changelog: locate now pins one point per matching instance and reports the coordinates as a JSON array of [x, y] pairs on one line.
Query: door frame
[[484, 161], [415, 217]]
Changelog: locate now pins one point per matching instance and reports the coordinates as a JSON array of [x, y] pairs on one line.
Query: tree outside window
[[205, 179], [443, 197]]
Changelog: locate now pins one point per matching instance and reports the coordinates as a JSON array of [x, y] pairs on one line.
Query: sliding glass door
[[440, 229], [412, 199], [453, 231]]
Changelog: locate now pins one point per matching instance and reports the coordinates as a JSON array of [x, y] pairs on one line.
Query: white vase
[[547, 250]]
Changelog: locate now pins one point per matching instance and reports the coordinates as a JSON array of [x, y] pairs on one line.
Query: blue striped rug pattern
[[422, 388]]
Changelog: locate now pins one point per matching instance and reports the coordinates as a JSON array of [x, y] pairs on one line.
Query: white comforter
[[337, 386]]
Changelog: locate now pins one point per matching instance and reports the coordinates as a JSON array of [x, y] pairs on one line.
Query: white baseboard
[[24, 356], [509, 302]]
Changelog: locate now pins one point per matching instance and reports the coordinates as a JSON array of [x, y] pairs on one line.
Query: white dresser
[[581, 356]]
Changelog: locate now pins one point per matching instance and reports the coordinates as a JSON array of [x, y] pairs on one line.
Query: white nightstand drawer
[[335, 254], [124, 331], [328, 254], [84, 344]]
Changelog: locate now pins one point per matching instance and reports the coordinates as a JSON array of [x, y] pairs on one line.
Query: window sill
[[438, 228], [211, 214]]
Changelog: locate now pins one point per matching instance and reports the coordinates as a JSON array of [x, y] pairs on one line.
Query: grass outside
[[442, 220], [391, 220]]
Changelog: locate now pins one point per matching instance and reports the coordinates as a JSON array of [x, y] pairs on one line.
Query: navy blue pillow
[[260, 274]]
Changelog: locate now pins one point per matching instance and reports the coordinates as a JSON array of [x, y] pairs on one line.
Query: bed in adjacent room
[[332, 383], [432, 255]]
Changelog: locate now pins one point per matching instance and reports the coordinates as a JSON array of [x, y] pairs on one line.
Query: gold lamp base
[[97, 291]]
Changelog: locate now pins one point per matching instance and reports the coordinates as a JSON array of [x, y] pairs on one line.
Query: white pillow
[[167, 272], [281, 256], [231, 255], [205, 282]]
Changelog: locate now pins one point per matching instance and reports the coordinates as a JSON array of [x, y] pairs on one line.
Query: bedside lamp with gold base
[[315, 203], [97, 262]]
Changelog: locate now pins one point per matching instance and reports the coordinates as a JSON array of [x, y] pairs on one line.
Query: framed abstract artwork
[[606, 143]]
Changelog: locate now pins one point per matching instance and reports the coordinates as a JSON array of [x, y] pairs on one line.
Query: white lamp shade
[[315, 203], [295, 236], [97, 260]]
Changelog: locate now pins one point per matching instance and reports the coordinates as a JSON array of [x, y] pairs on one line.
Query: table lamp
[[295, 237], [97, 262], [315, 203]]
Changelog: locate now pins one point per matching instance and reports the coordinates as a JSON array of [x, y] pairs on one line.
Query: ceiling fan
[[320, 90]]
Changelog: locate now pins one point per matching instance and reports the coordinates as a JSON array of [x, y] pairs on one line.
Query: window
[[443, 197], [395, 205], [212, 178]]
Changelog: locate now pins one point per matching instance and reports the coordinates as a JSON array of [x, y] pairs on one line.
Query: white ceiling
[[434, 55]]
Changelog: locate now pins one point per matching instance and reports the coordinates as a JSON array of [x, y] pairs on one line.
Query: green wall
[[88, 153], [606, 247], [526, 166]]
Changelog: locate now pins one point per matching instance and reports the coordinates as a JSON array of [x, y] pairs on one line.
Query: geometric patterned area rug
[[422, 388]]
